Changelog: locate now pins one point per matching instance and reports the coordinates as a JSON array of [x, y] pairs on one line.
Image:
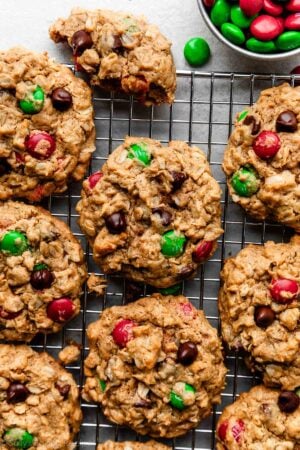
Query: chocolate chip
[[165, 216], [288, 401], [287, 122], [250, 120], [187, 353], [186, 272], [133, 291], [178, 179], [41, 279], [116, 223], [81, 40], [143, 403], [8, 315], [63, 389], [264, 316], [17, 392], [61, 99], [117, 45], [4, 167]]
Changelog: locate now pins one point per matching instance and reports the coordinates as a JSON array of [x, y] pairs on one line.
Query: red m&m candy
[[265, 28], [272, 8], [292, 22], [94, 178], [122, 333], [202, 251], [60, 310], [251, 7], [284, 290], [266, 144], [40, 145]]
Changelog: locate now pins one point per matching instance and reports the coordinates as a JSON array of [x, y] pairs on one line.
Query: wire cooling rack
[[203, 113]]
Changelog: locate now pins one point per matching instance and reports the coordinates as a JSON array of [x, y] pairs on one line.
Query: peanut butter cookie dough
[[120, 52], [261, 419], [262, 161], [39, 407], [155, 365], [259, 309], [47, 131], [153, 213], [42, 270], [150, 445]]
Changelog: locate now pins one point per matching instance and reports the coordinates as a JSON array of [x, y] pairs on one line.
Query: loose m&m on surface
[[261, 26]]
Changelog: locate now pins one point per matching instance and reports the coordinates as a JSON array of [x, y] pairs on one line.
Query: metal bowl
[[243, 51]]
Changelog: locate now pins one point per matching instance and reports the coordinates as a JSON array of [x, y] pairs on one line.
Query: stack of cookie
[[151, 214]]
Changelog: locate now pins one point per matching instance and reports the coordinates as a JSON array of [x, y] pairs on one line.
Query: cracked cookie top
[[120, 52], [42, 270], [154, 365], [153, 213], [259, 309], [39, 407], [262, 161], [261, 419], [46, 129]]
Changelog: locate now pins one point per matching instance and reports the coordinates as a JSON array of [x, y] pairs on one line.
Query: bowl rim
[[243, 51]]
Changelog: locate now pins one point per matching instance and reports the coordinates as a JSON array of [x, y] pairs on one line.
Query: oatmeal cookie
[[154, 365], [120, 52], [153, 213], [262, 161], [47, 131], [42, 270], [150, 445], [39, 407], [261, 419], [259, 309]]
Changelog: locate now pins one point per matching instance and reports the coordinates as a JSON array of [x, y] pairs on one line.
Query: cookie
[[153, 213], [39, 407], [261, 419], [120, 52], [259, 309], [154, 365], [150, 445], [42, 270], [47, 133], [262, 161]]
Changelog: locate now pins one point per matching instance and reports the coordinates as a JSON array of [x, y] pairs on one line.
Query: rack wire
[[203, 114]]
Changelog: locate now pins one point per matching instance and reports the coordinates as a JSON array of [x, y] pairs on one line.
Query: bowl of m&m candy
[[261, 29]]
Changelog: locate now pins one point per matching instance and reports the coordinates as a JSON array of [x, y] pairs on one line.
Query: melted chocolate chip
[[63, 389], [186, 272], [250, 120], [17, 392], [143, 403], [165, 215], [4, 167], [178, 179], [61, 99], [116, 223], [264, 316], [117, 45], [287, 122], [81, 40], [133, 291], [187, 353], [41, 279], [288, 401]]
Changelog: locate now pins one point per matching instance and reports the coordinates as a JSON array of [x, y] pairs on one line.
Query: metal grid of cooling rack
[[203, 114]]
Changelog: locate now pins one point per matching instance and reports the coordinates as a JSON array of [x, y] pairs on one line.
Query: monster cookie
[[259, 309], [41, 272], [46, 130], [153, 213], [154, 365], [120, 52], [262, 161], [39, 407], [261, 419], [150, 445]]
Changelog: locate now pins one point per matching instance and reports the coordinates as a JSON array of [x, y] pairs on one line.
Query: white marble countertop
[[27, 22]]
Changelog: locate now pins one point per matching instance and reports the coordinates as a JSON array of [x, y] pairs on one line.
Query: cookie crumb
[[69, 354], [97, 284]]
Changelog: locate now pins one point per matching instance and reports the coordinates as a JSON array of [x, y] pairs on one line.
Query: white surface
[[26, 22]]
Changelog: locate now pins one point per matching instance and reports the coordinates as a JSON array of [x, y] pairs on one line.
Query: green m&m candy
[[140, 152], [233, 33], [245, 181], [39, 266], [172, 244], [102, 385], [242, 115], [220, 12], [239, 18], [187, 393], [257, 46], [288, 40], [172, 290], [33, 101], [196, 51], [14, 242], [18, 438]]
